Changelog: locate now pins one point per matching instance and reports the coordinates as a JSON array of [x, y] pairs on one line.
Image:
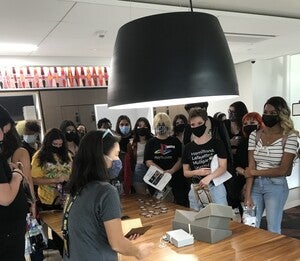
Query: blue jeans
[[270, 194], [218, 195], [139, 173]]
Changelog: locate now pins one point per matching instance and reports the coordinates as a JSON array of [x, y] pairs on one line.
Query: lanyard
[[69, 203]]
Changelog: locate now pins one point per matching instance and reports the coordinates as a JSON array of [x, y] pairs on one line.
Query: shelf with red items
[[39, 77]]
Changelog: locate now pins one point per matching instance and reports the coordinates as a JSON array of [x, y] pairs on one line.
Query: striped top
[[268, 157]]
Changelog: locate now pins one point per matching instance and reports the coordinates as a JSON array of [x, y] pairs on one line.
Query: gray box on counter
[[210, 224]]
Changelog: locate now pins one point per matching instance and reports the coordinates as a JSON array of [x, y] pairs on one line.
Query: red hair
[[254, 116]]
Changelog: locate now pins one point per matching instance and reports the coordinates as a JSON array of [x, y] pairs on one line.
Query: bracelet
[[16, 171]]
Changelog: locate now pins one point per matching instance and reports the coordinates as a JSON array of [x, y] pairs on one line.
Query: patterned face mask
[[161, 129]]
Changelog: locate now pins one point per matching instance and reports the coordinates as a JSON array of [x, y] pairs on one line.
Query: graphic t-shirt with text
[[200, 156]]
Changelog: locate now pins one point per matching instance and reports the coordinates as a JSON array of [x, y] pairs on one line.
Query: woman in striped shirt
[[271, 154]]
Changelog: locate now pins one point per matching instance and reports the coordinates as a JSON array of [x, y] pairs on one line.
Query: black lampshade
[[171, 58]]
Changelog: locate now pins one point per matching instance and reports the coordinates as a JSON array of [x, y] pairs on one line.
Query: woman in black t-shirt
[[164, 152], [13, 204], [197, 157]]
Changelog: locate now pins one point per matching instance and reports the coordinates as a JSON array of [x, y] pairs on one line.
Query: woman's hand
[[20, 172], [248, 201], [134, 236], [240, 171], [205, 181], [247, 173], [33, 210]]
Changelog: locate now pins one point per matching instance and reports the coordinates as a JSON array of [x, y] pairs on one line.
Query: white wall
[[102, 111], [244, 76], [267, 78]]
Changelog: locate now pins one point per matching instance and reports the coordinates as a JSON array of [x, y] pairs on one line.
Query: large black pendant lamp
[[171, 58]]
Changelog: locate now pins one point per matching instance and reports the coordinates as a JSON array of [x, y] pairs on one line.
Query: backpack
[[284, 139]]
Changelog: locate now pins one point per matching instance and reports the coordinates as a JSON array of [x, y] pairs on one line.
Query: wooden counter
[[246, 243]]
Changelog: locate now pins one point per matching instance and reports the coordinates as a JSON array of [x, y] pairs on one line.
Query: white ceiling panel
[[68, 28]]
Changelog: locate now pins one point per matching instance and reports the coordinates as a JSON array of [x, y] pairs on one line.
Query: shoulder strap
[[258, 135], [68, 205], [283, 141]]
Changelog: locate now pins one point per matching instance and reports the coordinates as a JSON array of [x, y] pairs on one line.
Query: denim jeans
[[137, 180], [139, 173], [218, 195], [270, 194]]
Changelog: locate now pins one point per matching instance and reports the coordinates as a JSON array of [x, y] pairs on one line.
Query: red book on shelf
[[77, 77], [100, 75], [7, 84], [14, 75], [50, 78], [106, 76], [56, 77], [95, 76], [22, 79], [36, 78], [70, 77], [82, 76], [1, 80], [63, 77], [89, 77], [43, 77], [29, 77]]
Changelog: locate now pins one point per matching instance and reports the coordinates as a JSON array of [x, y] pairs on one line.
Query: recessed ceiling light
[[101, 33], [13, 47]]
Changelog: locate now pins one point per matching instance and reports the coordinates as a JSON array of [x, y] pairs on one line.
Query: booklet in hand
[[213, 166], [157, 178], [133, 227]]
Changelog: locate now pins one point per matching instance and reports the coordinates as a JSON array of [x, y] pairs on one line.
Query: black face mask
[[179, 128], [249, 128], [270, 120], [142, 131], [199, 131], [57, 150], [72, 136]]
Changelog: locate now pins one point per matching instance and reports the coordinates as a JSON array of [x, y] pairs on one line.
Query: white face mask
[[30, 139]]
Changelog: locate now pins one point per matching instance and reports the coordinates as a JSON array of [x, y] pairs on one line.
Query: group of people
[[257, 150]]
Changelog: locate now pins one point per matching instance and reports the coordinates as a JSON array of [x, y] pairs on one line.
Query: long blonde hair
[[284, 114]]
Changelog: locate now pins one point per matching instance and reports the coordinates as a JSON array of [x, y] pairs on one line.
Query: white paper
[[157, 178], [213, 166]]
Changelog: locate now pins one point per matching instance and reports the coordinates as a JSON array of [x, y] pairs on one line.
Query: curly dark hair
[[45, 154], [104, 121], [11, 142], [33, 126]]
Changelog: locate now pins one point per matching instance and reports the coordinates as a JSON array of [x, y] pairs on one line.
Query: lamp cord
[[191, 5]]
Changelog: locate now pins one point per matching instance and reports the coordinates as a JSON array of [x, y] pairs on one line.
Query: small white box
[[180, 238]]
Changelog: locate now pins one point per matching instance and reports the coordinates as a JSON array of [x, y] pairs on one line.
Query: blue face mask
[[115, 169], [125, 129]]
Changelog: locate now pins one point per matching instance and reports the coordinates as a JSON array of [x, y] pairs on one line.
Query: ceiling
[[255, 29]]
